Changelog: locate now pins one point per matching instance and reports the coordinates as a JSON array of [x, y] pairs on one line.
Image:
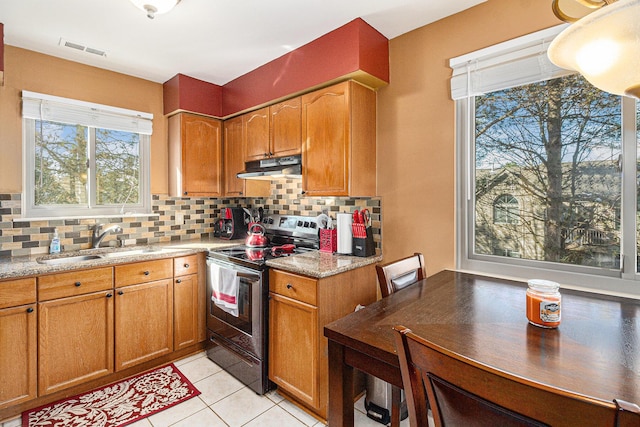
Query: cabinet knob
[[185, 193], [30, 310], [77, 284], [120, 293], [289, 286], [146, 273], [303, 192], [186, 266], [178, 280], [270, 153], [109, 295]]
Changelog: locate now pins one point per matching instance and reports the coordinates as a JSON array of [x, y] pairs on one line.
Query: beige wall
[[416, 120], [36, 72]]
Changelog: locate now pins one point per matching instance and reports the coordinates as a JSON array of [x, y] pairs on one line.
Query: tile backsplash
[[20, 237]]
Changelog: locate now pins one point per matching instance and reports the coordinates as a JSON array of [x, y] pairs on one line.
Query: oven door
[[247, 330]]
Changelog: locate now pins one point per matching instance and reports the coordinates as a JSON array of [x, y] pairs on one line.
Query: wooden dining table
[[595, 351]]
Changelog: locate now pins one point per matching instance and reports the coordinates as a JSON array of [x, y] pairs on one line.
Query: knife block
[[364, 247]]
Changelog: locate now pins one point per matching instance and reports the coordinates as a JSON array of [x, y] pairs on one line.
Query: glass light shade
[[155, 7], [604, 47]]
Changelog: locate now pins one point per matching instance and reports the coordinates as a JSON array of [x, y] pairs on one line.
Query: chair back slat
[[399, 274], [461, 391]]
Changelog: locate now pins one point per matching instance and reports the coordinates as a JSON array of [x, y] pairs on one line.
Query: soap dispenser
[[54, 247]]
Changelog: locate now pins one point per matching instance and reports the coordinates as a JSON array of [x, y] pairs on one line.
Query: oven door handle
[[241, 271]]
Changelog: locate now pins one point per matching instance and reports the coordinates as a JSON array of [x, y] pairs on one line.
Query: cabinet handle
[[30, 310], [185, 193], [178, 280], [289, 286], [241, 193], [120, 293], [270, 153], [186, 266], [303, 192], [146, 273], [77, 284], [109, 295]]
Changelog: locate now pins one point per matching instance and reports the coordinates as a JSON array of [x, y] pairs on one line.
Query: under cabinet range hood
[[280, 167]]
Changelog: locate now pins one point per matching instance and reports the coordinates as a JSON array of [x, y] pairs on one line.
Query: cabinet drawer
[[141, 272], [62, 285], [293, 286], [17, 292], [185, 265]]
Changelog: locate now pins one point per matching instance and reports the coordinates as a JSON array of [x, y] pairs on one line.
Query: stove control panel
[[291, 224]]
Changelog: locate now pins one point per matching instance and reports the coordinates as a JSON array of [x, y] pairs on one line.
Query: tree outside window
[[547, 166]]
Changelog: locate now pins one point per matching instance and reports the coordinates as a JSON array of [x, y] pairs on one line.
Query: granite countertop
[[321, 264], [15, 267], [314, 263]]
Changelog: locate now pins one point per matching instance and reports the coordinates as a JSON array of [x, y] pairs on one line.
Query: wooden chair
[[398, 274], [464, 392], [392, 277]]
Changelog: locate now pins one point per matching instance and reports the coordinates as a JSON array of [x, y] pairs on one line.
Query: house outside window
[[555, 161], [84, 159]]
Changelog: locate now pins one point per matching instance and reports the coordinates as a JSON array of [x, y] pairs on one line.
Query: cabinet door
[[201, 156], [75, 340], [143, 322], [293, 348], [233, 157], [286, 127], [185, 314], [326, 148], [18, 354], [256, 134]]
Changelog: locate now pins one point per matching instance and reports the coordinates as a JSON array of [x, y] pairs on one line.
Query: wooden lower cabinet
[[18, 341], [188, 328], [75, 340], [143, 322], [72, 331], [295, 367], [299, 308]]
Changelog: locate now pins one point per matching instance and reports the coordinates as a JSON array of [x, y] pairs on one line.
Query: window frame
[[624, 282], [31, 211]]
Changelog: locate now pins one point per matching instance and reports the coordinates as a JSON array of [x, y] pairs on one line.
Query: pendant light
[[603, 44], [155, 7]]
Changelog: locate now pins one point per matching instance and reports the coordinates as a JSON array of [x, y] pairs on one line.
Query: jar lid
[[543, 285]]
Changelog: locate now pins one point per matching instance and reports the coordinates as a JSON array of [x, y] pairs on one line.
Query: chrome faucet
[[97, 235]]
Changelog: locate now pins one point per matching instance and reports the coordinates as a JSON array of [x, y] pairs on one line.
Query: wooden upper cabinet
[[256, 134], [274, 131], [286, 127], [234, 155], [195, 156], [339, 134]]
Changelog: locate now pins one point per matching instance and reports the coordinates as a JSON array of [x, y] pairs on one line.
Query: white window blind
[[63, 110], [512, 63]]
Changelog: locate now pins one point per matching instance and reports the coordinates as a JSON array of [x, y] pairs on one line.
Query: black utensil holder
[[364, 247]]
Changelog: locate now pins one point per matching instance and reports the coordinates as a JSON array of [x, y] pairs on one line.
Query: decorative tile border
[[24, 237]]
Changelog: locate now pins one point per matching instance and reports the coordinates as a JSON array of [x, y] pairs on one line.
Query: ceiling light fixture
[[155, 7], [602, 44]]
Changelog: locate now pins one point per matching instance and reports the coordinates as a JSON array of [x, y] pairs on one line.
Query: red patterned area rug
[[117, 404]]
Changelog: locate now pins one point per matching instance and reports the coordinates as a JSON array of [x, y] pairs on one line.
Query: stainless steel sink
[[143, 251], [62, 259], [68, 259]]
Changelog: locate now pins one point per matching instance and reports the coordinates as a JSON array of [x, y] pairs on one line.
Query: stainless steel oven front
[[238, 343]]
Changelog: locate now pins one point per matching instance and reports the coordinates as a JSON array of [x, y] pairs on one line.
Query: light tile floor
[[226, 402]]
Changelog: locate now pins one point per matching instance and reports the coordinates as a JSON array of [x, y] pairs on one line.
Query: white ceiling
[[212, 40]]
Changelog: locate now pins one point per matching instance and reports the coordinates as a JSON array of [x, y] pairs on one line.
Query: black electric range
[[288, 235]]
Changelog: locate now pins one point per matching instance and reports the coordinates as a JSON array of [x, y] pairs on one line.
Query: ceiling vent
[[82, 48]]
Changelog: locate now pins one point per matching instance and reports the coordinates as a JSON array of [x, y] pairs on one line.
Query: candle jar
[[543, 303]]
